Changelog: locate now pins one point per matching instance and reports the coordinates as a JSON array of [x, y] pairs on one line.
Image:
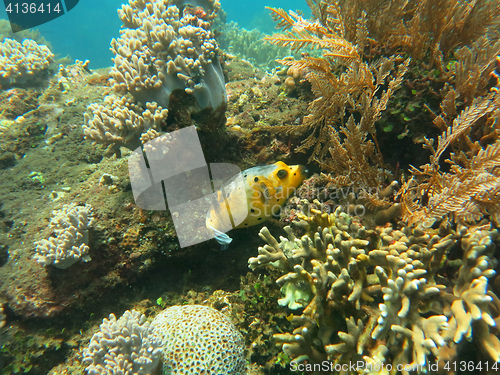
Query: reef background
[[136, 263]]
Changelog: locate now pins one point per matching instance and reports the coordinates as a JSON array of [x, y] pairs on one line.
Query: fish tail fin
[[221, 238]]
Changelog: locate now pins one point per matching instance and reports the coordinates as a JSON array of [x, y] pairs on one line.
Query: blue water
[[85, 32]]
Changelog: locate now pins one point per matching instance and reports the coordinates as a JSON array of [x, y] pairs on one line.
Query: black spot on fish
[[259, 218], [246, 223], [252, 210], [256, 179]]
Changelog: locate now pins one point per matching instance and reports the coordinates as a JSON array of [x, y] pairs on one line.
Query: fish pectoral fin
[[221, 238]]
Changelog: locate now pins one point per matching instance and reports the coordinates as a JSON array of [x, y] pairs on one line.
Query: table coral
[[376, 294], [69, 242]]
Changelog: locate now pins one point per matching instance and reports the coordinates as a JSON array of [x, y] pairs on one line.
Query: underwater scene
[[269, 187]]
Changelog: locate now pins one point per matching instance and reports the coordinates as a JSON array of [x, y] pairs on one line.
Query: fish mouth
[[303, 170]]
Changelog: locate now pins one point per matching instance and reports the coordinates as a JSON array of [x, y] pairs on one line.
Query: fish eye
[[282, 173]]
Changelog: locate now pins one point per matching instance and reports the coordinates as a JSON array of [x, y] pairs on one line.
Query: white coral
[[123, 346], [69, 242], [18, 59]]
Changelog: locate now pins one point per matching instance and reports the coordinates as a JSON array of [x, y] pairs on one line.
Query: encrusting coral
[[376, 295], [189, 339], [166, 49], [69, 238], [20, 61]]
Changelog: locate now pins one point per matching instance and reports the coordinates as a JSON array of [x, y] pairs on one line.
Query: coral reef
[[248, 45], [336, 273], [165, 50], [69, 239], [20, 61], [126, 345], [185, 339]]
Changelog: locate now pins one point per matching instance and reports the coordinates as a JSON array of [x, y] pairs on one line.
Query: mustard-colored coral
[[377, 293]]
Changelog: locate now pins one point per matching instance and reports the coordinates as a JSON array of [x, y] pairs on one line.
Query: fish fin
[[221, 238]]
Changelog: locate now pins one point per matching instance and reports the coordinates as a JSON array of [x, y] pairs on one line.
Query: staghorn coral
[[165, 49], [69, 239], [376, 294], [185, 339], [124, 346], [20, 61]]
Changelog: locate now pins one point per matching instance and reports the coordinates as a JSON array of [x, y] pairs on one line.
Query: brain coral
[[199, 340]]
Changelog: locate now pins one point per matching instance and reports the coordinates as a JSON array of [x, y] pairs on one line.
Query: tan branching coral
[[352, 90], [20, 61], [69, 239], [470, 189], [165, 48], [121, 122], [376, 295]]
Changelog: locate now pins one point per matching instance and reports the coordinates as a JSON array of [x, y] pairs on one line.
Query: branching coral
[[166, 49], [375, 294], [166, 46], [69, 239], [126, 345], [121, 122], [19, 62], [343, 84]]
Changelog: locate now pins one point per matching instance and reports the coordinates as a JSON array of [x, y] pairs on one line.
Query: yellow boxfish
[[251, 197]]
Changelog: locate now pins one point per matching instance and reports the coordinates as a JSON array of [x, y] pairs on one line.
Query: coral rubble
[[69, 239]]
